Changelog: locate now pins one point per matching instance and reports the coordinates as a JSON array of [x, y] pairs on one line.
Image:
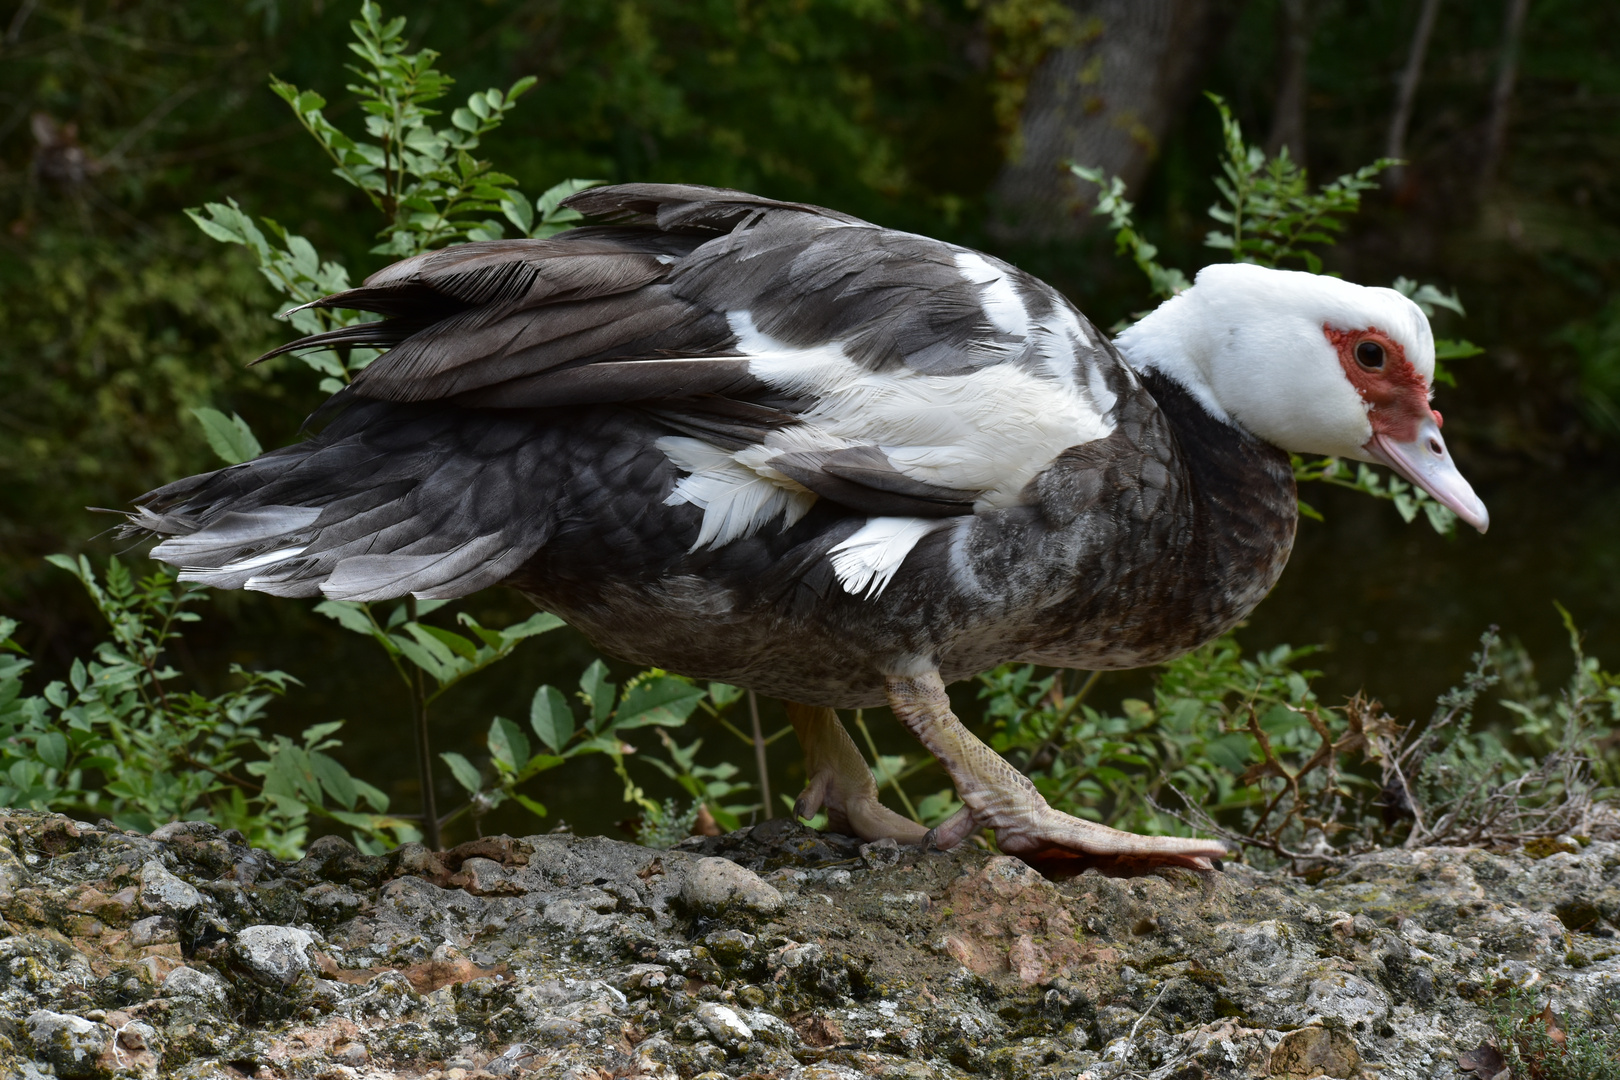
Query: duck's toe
[[841, 784]]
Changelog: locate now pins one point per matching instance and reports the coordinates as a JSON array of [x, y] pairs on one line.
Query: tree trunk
[[1406, 95], [1294, 47], [1106, 103], [1502, 96]]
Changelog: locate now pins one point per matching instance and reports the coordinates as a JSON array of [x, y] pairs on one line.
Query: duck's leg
[[840, 782], [998, 796]]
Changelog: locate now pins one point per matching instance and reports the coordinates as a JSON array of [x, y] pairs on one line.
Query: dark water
[[1398, 608]]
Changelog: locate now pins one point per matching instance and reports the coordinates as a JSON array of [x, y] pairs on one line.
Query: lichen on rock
[[771, 952]]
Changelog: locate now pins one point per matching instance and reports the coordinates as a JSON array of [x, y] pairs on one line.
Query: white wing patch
[[1001, 304], [868, 560], [988, 431]]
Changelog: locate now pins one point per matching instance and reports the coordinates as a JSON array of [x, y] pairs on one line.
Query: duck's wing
[[787, 347], [789, 354]]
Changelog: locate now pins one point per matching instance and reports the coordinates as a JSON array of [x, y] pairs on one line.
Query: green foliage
[[228, 436], [423, 178], [1427, 298], [709, 786], [443, 655], [652, 699], [1409, 501], [1270, 213], [104, 350], [125, 738], [668, 826], [1596, 342], [1163, 282], [1191, 736], [1248, 751], [1022, 33], [1538, 1043]]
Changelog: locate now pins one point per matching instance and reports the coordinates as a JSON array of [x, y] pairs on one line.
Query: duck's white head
[[1311, 364]]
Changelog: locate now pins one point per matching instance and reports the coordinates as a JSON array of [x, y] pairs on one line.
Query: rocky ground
[[775, 953]]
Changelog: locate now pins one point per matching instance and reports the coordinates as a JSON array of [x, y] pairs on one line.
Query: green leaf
[[347, 614], [52, 749], [1455, 349], [542, 623], [462, 769], [515, 205], [457, 644], [1229, 751], [665, 701], [597, 692], [230, 437], [429, 655], [314, 734], [371, 795], [540, 763], [551, 718], [537, 809], [334, 778], [507, 744], [723, 694], [553, 196]]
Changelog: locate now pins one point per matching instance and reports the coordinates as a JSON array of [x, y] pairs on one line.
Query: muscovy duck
[[774, 445]]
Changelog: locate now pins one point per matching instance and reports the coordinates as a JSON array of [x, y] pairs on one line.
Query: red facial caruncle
[[1405, 430], [1377, 367]]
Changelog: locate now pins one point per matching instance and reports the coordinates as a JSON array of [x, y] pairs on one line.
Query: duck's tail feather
[[386, 501]]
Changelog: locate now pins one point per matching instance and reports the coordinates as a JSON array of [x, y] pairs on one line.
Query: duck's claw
[[840, 782]]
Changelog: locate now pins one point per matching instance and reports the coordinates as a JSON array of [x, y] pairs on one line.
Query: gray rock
[[1354, 1002], [176, 829], [723, 1024], [164, 894], [516, 1058], [714, 885], [190, 983], [71, 1044], [596, 957], [153, 930], [352, 1054], [275, 954], [880, 854]]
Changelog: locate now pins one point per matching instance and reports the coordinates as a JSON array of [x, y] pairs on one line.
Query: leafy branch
[[424, 178], [123, 737], [1270, 213]]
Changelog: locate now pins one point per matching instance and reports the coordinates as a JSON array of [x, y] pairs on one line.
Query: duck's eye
[[1370, 355]]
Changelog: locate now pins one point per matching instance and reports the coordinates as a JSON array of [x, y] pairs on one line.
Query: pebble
[[715, 884], [723, 1024], [164, 894], [275, 954]]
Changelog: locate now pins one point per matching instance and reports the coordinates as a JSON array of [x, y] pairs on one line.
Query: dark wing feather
[[863, 479], [447, 463]]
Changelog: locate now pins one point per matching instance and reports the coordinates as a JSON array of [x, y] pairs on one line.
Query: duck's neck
[[1243, 504]]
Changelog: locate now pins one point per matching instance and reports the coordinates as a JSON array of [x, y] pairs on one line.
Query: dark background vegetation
[[117, 316]]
